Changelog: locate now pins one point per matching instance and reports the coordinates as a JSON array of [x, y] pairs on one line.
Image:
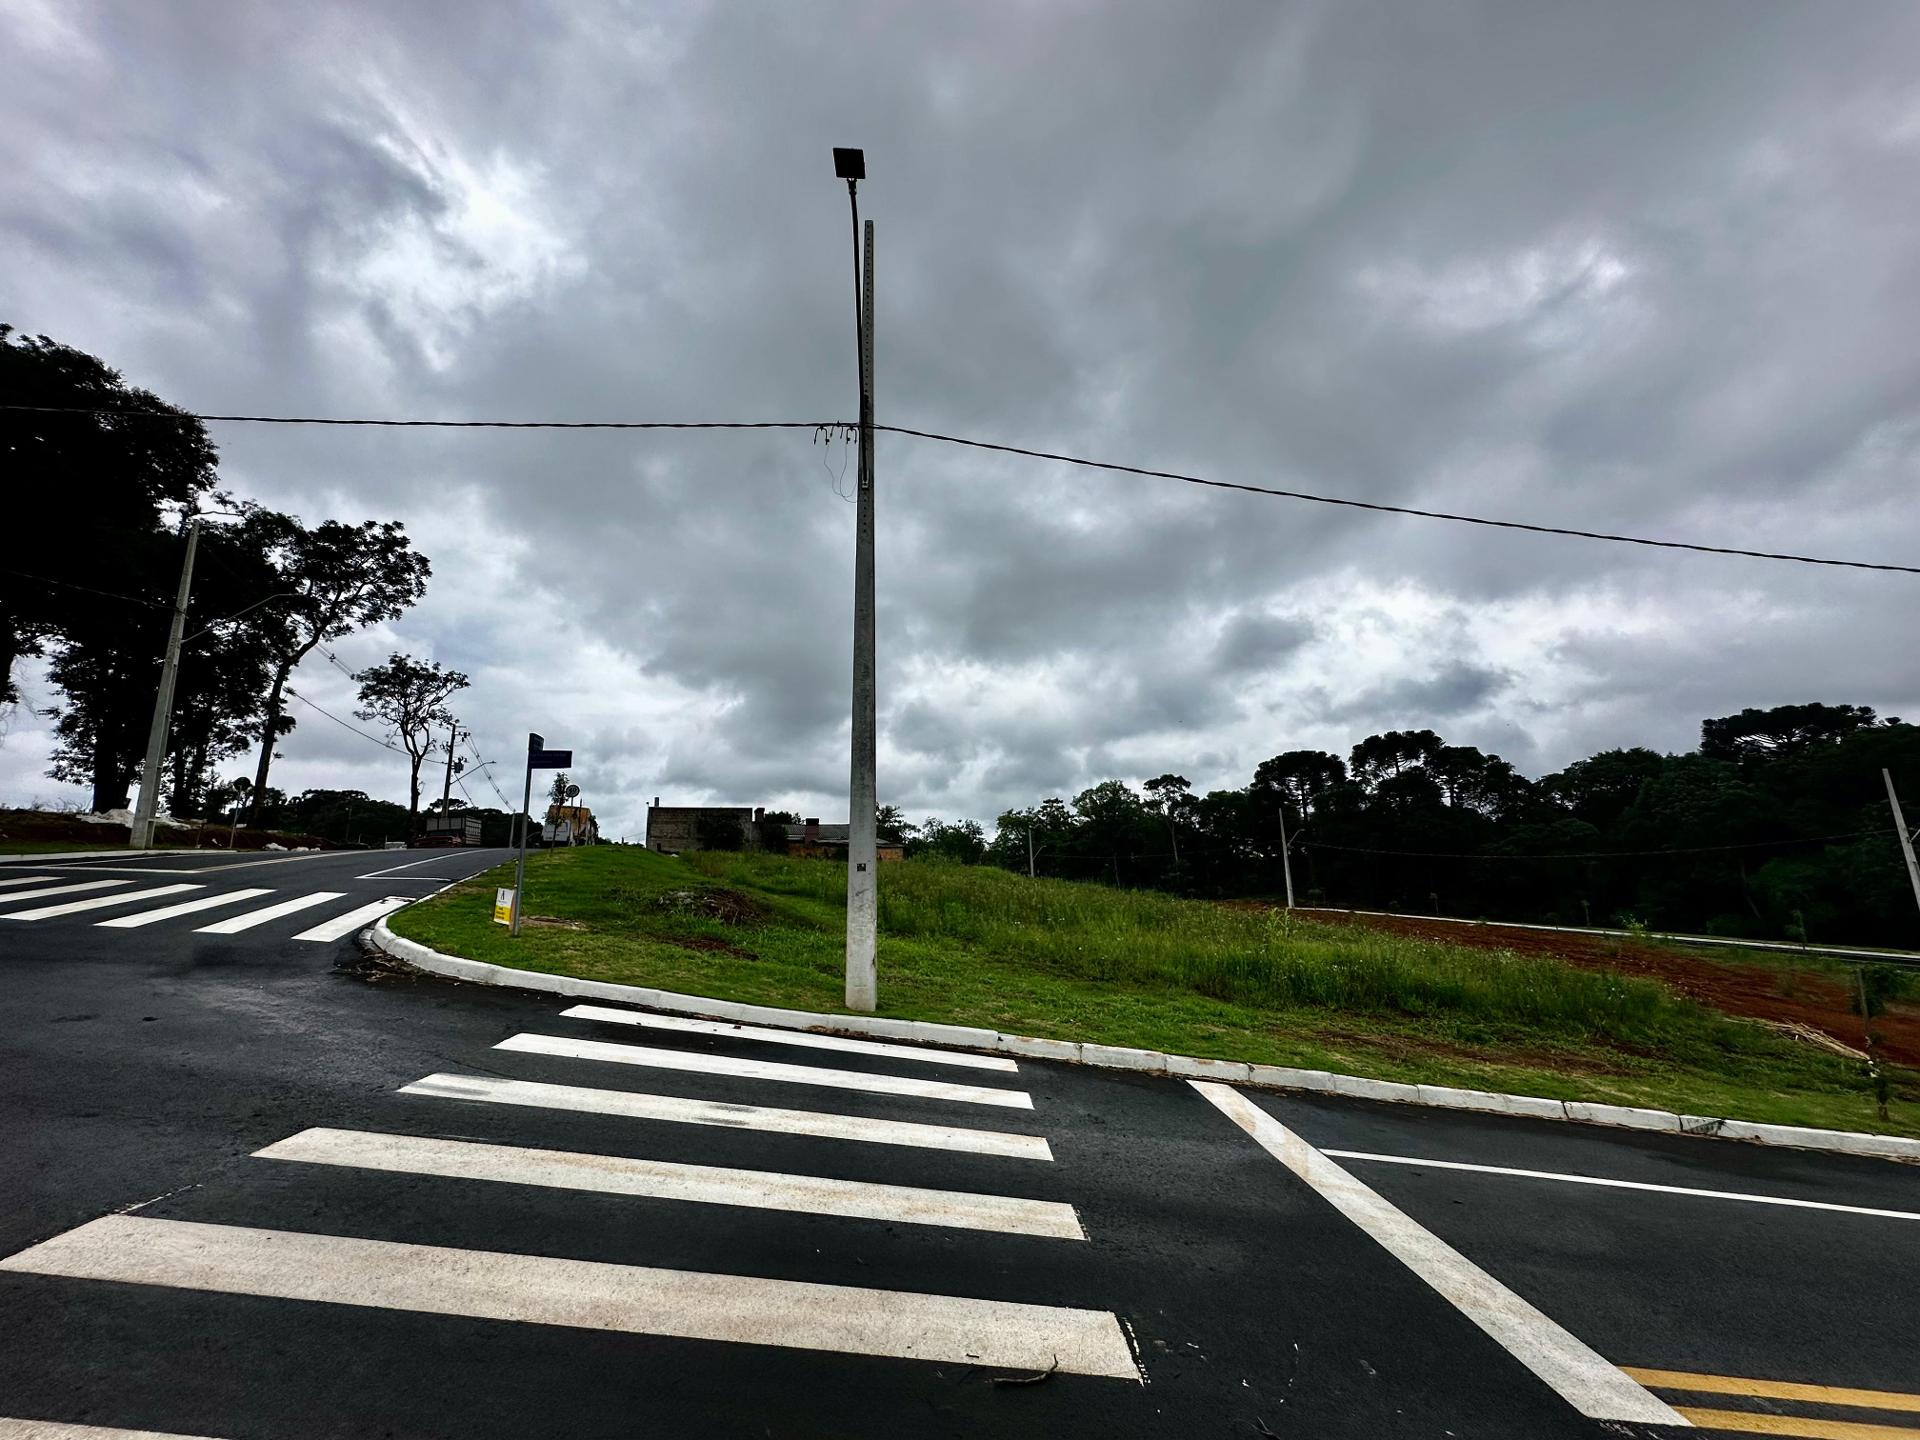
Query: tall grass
[[1270, 959]]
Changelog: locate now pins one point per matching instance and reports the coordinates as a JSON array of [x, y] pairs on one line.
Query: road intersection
[[251, 1189]]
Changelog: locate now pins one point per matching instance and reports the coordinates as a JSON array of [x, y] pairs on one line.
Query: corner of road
[[1115, 1057]]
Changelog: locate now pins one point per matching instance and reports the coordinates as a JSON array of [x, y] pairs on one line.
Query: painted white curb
[[1117, 1057]]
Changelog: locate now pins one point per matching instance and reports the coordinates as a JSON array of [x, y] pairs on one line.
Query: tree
[[557, 792], [1170, 796], [130, 468], [1782, 730], [1600, 789], [337, 579], [1299, 777], [409, 697], [890, 826], [963, 841], [1381, 757]]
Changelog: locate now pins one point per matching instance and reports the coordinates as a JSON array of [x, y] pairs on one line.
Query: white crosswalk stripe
[[74, 889], [585, 1294], [353, 920], [804, 1038], [14, 1429], [668, 1180], [98, 902], [676, 1109], [25, 880], [185, 907], [732, 1309], [237, 923], [765, 1070]]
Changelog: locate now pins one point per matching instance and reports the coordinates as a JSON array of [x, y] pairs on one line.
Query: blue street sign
[[549, 759]]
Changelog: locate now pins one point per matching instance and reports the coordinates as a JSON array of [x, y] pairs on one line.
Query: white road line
[[185, 907], [410, 865], [353, 920], [765, 1070], [237, 923], [12, 1429], [677, 1110], [1746, 1195], [670, 1180], [790, 1037], [26, 880], [585, 1294], [98, 902], [17, 896], [1575, 1372]]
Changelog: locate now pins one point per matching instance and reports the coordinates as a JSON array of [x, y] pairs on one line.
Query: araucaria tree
[[337, 578], [409, 697]]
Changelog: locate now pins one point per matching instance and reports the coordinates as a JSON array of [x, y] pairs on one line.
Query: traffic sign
[[549, 759]]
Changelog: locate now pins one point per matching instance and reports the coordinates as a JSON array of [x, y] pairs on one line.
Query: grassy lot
[[979, 946]]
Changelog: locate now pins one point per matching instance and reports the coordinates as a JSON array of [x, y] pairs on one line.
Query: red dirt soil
[[1762, 992]]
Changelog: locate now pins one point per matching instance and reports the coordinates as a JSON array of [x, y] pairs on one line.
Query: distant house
[[829, 842], [674, 828]]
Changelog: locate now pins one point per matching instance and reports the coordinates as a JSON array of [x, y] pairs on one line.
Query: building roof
[[828, 834]]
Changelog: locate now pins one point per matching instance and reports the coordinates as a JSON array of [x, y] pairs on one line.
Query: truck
[[569, 825], [452, 830]]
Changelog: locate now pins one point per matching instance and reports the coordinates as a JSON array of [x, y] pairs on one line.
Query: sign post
[[538, 758]]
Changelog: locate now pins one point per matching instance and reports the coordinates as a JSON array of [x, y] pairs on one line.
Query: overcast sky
[[1641, 267]]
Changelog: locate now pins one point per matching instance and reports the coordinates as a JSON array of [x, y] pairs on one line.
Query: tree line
[[1777, 826], [106, 479]]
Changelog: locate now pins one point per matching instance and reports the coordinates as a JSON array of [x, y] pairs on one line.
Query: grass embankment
[[978, 946]]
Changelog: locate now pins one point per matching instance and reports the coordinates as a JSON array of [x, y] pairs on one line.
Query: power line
[[1391, 509], [104, 594], [384, 745], [439, 424], [999, 448]]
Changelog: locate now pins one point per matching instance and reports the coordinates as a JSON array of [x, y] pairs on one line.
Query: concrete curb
[[1153, 1062]]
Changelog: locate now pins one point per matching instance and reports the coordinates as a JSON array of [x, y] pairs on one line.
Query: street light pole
[[140, 832], [863, 897]]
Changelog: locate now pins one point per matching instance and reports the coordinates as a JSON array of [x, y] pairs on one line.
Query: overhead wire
[[1002, 448], [1384, 509], [365, 735]]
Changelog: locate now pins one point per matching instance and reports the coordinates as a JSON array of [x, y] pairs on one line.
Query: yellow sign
[[503, 903]]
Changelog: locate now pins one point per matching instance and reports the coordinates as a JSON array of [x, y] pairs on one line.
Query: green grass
[[977, 946]]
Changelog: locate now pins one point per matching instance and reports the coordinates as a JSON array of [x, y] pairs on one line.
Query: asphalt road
[[743, 1236]]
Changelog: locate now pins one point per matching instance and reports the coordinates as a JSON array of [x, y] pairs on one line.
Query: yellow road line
[[1773, 1389], [1750, 1423]]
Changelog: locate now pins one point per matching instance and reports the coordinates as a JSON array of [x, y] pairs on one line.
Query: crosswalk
[[424, 1252], [20, 897]]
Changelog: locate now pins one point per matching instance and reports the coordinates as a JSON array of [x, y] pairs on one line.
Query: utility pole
[[1906, 835], [140, 833], [446, 790], [1286, 855], [1029, 850], [862, 788]]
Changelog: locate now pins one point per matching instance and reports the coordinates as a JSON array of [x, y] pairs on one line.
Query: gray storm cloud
[[1637, 267]]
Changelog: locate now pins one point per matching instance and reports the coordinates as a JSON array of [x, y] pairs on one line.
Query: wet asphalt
[[141, 1068]]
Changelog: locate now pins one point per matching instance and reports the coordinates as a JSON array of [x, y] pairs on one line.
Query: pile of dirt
[[729, 907], [1782, 995]]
